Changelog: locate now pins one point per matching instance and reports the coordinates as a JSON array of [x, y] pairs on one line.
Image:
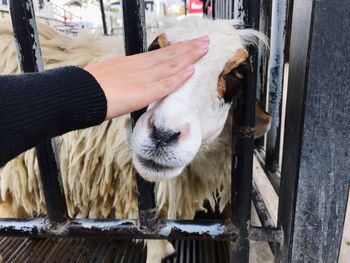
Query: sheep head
[[170, 133]]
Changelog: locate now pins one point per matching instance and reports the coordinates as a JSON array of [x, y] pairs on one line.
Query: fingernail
[[204, 49], [204, 38]]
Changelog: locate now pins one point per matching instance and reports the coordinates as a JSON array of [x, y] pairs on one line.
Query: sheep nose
[[162, 136]]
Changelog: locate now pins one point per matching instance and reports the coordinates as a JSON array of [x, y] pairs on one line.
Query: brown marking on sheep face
[[230, 79], [262, 120], [159, 42]]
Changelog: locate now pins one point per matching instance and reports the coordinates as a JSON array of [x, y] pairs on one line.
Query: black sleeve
[[38, 106]]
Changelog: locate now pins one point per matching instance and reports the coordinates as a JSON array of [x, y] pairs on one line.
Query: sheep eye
[[242, 70], [233, 80], [232, 85]]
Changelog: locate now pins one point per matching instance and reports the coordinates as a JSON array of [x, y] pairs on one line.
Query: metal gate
[[314, 180]]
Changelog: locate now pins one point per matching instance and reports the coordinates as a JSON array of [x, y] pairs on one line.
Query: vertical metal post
[[230, 13], [103, 16], [134, 33], [204, 9], [29, 54], [217, 9], [275, 80], [224, 9], [135, 42], [242, 175], [315, 168], [185, 6], [261, 87], [238, 10], [213, 9], [264, 27]]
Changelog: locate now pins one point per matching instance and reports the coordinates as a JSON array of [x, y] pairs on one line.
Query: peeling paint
[[106, 225], [212, 230]]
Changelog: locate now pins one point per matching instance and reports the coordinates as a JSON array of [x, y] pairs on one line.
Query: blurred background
[[71, 16]]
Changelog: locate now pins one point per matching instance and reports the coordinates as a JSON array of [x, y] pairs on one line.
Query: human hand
[[132, 82]]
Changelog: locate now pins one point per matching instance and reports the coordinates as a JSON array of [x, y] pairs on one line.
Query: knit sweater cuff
[[38, 106]]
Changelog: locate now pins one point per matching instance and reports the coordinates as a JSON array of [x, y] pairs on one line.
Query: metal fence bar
[[265, 27], [28, 50], [103, 17], [261, 209], [265, 234], [230, 13], [123, 229], [238, 10], [261, 87], [213, 9], [224, 9], [227, 9], [130, 229], [315, 168], [275, 80], [263, 213], [242, 175], [135, 42], [217, 9]]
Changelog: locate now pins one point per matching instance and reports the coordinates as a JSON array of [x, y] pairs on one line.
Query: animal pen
[[313, 180]]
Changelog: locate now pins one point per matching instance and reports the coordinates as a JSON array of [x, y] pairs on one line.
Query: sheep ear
[[262, 120], [159, 42]]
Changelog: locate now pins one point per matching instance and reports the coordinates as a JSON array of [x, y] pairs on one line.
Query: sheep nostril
[[164, 136]]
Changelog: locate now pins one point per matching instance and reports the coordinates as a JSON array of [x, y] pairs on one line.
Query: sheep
[[96, 163]]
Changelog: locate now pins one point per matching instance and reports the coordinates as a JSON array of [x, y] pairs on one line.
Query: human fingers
[[179, 48], [161, 88], [139, 96], [161, 55], [162, 70], [176, 64]]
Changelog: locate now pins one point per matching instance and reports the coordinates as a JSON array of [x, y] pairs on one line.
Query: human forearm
[[38, 106]]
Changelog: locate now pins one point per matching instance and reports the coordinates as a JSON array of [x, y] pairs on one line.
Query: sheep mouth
[[153, 171], [150, 164]]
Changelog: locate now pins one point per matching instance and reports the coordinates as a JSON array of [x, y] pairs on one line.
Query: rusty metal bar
[[315, 168], [261, 209], [263, 213], [275, 80], [120, 229], [261, 87], [131, 229], [265, 234], [238, 10], [244, 148], [29, 54]]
